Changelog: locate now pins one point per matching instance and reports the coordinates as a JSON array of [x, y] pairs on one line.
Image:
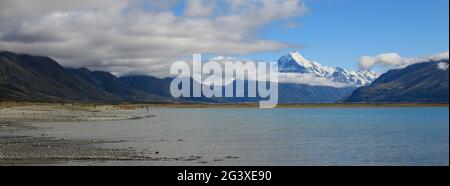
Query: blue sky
[[338, 32]]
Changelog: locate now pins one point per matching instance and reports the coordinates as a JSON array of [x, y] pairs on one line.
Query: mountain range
[[25, 77], [29, 78], [423, 82], [35, 78], [294, 62]]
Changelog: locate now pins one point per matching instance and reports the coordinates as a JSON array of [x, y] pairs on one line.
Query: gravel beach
[[19, 146]]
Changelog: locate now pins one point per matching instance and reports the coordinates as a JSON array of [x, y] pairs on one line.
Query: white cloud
[[122, 37], [309, 79], [199, 8], [394, 60]]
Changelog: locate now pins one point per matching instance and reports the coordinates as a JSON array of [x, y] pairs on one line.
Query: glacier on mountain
[[295, 63]]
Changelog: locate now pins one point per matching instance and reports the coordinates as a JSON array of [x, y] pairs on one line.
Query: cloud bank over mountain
[[292, 68], [394, 60], [125, 36]]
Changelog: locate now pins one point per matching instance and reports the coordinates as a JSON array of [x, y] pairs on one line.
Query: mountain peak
[[294, 62], [297, 57]]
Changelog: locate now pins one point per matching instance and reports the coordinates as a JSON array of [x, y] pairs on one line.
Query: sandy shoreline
[[36, 112]]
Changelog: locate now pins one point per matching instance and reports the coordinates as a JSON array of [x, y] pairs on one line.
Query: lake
[[292, 136]]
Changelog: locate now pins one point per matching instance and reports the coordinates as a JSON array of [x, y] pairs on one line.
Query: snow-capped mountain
[[296, 63]]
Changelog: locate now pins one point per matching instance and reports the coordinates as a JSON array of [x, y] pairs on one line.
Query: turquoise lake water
[[303, 136]]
